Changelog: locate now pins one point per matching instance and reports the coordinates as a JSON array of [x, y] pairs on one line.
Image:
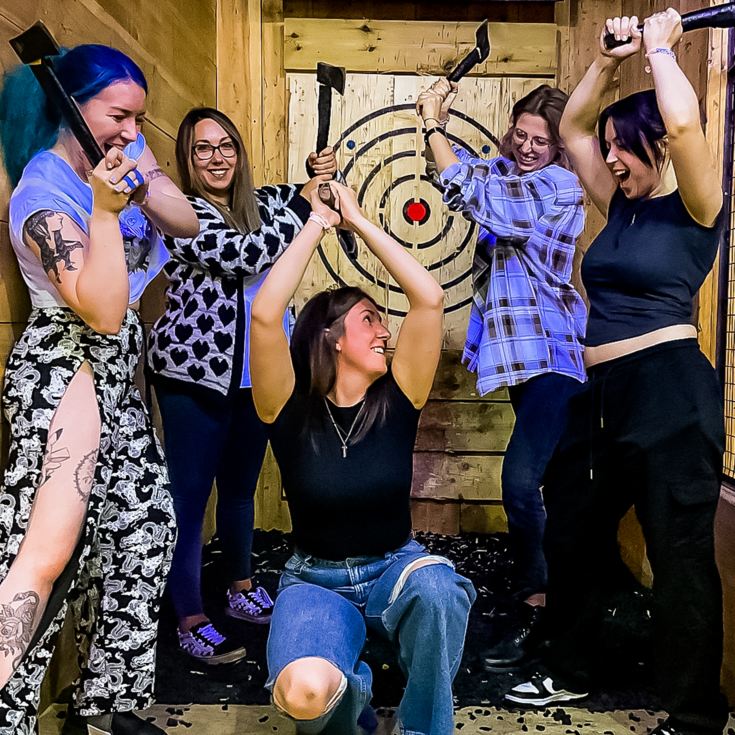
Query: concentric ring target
[[381, 159]]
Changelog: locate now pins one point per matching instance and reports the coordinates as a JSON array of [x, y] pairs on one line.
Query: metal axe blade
[[328, 78], [34, 44], [331, 76], [474, 57]]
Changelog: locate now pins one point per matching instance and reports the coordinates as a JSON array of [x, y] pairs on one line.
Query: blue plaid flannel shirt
[[526, 318]]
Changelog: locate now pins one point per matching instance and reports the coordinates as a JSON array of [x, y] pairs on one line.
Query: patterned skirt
[[116, 576]]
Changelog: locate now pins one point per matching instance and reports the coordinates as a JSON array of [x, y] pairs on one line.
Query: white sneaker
[[540, 691]]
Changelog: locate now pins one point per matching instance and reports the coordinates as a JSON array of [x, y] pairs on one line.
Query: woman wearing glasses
[[199, 358], [527, 320]]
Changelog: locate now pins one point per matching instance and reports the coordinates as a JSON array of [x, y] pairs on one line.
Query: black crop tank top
[[643, 270]]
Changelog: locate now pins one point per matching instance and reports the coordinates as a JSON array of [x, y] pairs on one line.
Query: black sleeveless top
[[357, 505], [643, 270]]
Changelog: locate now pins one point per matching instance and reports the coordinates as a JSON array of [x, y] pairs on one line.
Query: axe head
[[34, 44], [331, 76], [482, 41]]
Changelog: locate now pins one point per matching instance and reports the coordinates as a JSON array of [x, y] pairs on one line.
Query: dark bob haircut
[[638, 125]]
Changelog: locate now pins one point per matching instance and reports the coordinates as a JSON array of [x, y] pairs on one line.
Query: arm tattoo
[[44, 228], [16, 624], [54, 456], [155, 173], [84, 475]]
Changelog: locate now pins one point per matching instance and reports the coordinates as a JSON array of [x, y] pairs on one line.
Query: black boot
[[121, 723], [520, 645]]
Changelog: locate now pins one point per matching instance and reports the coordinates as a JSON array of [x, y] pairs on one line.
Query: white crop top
[[49, 183]]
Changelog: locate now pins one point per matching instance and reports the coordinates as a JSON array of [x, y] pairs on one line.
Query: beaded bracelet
[[661, 50]]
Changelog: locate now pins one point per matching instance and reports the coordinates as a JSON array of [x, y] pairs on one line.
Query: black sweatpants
[[647, 430]]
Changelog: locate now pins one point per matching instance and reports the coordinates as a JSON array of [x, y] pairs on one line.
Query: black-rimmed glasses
[[204, 151]]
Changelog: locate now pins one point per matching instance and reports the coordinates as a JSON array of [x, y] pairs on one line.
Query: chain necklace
[[344, 438]]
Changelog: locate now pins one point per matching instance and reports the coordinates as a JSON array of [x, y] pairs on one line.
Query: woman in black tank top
[[342, 424], [648, 429]]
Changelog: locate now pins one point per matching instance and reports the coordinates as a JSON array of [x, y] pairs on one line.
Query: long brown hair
[[548, 103], [319, 325], [243, 214]]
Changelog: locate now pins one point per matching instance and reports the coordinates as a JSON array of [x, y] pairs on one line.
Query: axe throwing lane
[[381, 155]]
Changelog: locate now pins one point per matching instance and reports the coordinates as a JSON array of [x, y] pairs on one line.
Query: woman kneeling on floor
[[342, 424]]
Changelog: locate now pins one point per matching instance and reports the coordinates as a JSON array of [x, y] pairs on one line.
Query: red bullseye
[[416, 211]]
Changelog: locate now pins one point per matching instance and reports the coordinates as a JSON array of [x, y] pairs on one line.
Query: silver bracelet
[[661, 50]]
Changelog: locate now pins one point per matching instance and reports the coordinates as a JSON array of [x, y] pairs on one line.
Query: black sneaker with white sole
[[207, 644], [541, 690]]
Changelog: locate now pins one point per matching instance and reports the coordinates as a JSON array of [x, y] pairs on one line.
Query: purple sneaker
[[254, 605]]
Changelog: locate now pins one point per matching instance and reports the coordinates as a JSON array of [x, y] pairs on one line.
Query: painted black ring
[[386, 110], [450, 220]]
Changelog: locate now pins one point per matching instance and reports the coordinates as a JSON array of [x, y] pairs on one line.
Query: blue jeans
[[324, 608], [207, 439], [541, 406]]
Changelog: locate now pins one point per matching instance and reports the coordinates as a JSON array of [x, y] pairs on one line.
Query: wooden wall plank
[[715, 110], [430, 48], [465, 426], [503, 11], [275, 96], [14, 302], [456, 476], [239, 73]]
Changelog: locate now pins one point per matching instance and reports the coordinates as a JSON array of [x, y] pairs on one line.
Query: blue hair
[[29, 124]]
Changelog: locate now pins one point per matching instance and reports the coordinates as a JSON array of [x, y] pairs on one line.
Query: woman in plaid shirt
[[527, 320]]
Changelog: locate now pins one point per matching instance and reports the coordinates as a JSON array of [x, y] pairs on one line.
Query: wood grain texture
[[423, 47]]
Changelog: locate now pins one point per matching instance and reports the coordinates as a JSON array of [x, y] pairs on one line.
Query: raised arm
[[433, 106], [419, 341], [696, 174], [271, 370], [578, 127], [88, 270], [161, 200]]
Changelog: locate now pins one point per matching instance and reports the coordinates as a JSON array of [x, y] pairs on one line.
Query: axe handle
[[324, 116], [719, 16], [465, 66], [44, 73]]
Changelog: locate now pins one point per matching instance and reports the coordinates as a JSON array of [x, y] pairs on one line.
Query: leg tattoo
[[16, 624], [84, 475], [55, 456]]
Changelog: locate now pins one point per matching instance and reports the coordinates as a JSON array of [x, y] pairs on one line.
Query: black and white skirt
[[116, 577]]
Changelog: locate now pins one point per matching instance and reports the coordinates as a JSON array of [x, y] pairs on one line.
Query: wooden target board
[[381, 155]]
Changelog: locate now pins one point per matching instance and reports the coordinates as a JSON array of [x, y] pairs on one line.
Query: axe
[[35, 47], [330, 78], [719, 16], [474, 57]]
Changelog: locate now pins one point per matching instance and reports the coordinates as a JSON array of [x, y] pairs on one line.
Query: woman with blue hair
[[85, 513]]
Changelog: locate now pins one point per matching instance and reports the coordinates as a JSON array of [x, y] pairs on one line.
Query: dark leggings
[[646, 431], [207, 439]]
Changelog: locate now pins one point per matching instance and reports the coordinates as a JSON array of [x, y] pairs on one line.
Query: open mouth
[[378, 350], [528, 160], [621, 175], [218, 173]]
